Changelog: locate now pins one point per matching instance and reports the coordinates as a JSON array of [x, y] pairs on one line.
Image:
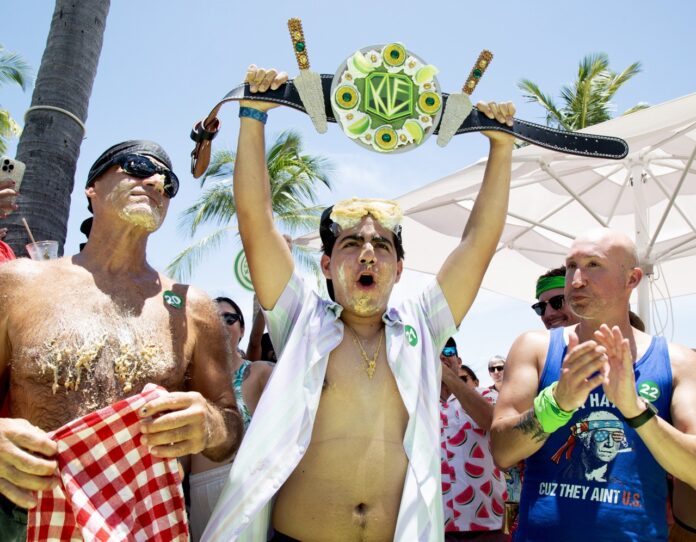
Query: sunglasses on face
[[496, 369], [449, 351], [230, 318], [556, 303], [142, 167]]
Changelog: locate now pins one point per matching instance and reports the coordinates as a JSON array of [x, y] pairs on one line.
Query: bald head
[[602, 272], [615, 243]]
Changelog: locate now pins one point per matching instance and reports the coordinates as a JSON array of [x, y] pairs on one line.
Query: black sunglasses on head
[[556, 303], [230, 318], [143, 167]]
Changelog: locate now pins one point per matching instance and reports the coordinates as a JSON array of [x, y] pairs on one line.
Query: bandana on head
[[544, 284], [135, 146], [105, 161]]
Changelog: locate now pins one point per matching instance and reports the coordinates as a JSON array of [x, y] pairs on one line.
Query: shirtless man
[[80, 333], [597, 384], [346, 433]]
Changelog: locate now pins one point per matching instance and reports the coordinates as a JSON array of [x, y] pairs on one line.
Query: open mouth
[[366, 280]]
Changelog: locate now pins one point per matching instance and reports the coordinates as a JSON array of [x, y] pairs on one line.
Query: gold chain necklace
[[370, 362]]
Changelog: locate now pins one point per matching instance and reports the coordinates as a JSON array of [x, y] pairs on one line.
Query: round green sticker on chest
[[649, 390], [411, 335], [172, 299]]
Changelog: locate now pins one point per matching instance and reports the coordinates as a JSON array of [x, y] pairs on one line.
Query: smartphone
[[12, 169]]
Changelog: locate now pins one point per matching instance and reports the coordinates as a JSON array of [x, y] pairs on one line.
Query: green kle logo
[[389, 95]]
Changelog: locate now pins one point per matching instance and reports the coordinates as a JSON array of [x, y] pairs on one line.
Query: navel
[[360, 515]]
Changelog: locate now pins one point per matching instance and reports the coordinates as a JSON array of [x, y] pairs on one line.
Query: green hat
[[544, 284]]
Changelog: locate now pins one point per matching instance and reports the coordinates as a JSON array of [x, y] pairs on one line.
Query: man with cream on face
[[344, 442]]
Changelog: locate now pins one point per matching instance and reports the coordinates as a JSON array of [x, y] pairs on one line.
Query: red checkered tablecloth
[[112, 488]]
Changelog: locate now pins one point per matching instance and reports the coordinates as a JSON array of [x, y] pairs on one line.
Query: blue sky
[[165, 63]]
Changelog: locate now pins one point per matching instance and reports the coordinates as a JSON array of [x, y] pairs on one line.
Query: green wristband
[[547, 411]]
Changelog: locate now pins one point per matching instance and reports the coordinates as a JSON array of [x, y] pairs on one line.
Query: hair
[[223, 299], [636, 321], [328, 240], [267, 348], [451, 342], [470, 372], [328, 237], [556, 272], [495, 359]]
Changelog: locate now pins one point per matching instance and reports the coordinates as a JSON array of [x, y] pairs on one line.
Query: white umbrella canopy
[[650, 195]]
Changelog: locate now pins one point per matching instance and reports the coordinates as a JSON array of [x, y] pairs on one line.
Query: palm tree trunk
[[50, 141]]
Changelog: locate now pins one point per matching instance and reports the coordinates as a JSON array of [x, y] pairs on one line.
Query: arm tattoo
[[529, 425]]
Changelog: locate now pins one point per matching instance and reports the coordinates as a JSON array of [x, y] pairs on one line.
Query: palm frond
[[307, 258], [587, 100], [215, 205], [638, 107], [183, 265], [617, 80], [13, 69], [591, 65], [293, 177], [221, 166], [532, 93], [8, 129]]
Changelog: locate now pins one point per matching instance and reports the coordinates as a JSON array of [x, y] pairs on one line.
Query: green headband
[[544, 284]]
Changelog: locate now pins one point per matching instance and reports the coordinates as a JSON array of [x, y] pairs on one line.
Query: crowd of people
[[588, 430]]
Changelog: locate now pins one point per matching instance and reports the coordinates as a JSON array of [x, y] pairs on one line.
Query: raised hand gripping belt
[[558, 140]]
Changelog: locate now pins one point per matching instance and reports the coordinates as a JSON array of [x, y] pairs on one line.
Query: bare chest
[[76, 349], [357, 404]]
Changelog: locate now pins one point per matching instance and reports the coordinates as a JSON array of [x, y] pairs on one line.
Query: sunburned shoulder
[[198, 299], [199, 306], [22, 272], [530, 348], [535, 337]]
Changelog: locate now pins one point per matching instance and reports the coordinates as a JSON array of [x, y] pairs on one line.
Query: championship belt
[[387, 99]]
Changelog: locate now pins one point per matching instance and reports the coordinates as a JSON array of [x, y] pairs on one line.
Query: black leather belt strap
[[557, 140]]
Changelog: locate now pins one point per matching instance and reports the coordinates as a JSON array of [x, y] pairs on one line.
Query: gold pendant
[[370, 369]]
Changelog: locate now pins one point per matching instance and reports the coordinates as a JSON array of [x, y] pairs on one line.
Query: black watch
[[637, 421]]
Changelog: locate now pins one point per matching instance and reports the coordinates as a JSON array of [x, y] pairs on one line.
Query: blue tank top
[[594, 479]]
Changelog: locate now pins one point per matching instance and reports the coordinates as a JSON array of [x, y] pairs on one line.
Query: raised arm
[[270, 262], [462, 272], [480, 410]]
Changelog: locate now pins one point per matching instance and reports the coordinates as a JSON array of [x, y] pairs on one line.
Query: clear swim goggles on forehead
[[348, 214]]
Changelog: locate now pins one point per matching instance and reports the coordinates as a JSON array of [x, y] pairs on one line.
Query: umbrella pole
[[642, 241]]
